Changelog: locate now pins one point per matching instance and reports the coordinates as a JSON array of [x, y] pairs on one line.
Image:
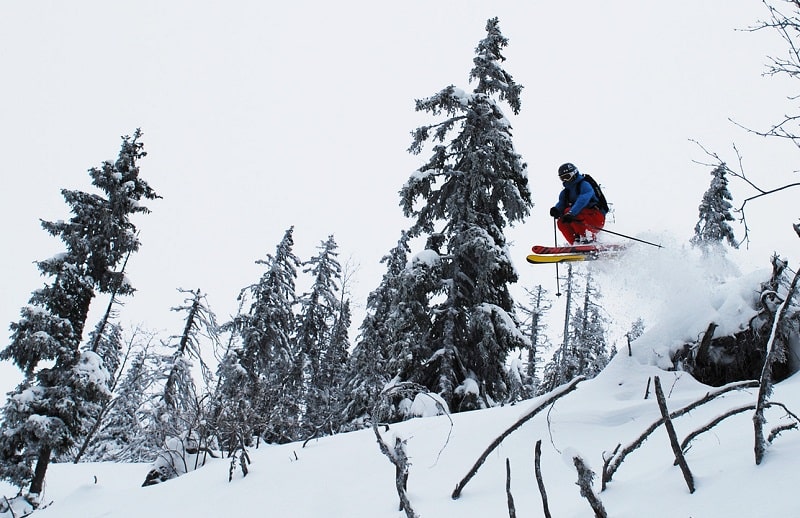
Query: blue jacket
[[577, 195]]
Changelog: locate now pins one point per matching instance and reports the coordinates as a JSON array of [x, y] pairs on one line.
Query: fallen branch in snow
[[585, 477], [552, 397], [398, 455], [539, 480], [738, 410], [399, 458], [673, 438], [774, 352], [512, 511], [778, 429], [711, 424], [614, 462]]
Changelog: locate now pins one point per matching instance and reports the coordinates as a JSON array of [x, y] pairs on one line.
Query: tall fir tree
[[585, 350], [257, 392], [535, 324], [715, 212], [320, 308], [63, 387], [589, 332], [368, 368], [469, 190]]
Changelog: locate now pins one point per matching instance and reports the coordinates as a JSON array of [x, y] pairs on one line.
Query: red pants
[[585, 227]]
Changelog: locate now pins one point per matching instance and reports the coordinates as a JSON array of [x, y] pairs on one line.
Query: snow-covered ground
[[347, 475]]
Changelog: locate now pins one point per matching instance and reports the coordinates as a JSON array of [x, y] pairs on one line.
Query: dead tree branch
[[539, 480], [585, 477], [551, 398], [673, 438], [512, 511], [778, 429], [398, 457], [616, 459], [740, 174], [774, 351], [711, 424]]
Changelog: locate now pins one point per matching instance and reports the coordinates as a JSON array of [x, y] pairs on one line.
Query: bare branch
[[512, 511], [711, 424], [778, 429], [552, 397], [539, 480], [399, 458], [765, 385], [614, 463], [585, 477], [673, 438]]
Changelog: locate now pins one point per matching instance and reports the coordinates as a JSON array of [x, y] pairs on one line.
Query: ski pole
[[555, 243], [623, 235]]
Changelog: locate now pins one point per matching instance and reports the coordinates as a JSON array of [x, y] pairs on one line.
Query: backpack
[[602, 203]]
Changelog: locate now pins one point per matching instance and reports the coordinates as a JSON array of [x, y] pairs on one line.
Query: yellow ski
[[558, 258]]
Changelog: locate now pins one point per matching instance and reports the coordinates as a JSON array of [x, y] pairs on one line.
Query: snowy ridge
[[347, 476]]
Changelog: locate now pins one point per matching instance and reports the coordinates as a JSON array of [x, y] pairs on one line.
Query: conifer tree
[[127, 431], [589, 332], [64, 387], [106, 342], [715, 212], [584, 351], [535, 314], [469, 190], [368, 369], [257, 389], [320, 308]]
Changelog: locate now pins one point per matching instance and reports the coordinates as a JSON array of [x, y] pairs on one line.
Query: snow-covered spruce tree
[[526, 379], [334, 367], [63, 387], [128, 425], [562, 366], [106, 342], [258, 396], [469, 190], [367, 368], [584, 351], [715, 213], [589, 333], [320, 310]]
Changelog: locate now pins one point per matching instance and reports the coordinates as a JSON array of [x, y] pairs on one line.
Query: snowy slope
[[347, 475]]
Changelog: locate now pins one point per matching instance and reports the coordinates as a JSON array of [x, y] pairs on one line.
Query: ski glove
[[554, 212], [568, 218]]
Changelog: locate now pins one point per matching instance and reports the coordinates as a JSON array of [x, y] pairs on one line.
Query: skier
[[578, 211]]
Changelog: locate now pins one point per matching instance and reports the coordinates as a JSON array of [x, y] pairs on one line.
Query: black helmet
[[567, 172]]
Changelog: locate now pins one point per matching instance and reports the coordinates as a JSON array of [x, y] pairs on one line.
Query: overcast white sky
[[261, 115]]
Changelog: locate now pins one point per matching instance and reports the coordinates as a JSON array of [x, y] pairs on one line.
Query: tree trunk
[[37, 484]]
